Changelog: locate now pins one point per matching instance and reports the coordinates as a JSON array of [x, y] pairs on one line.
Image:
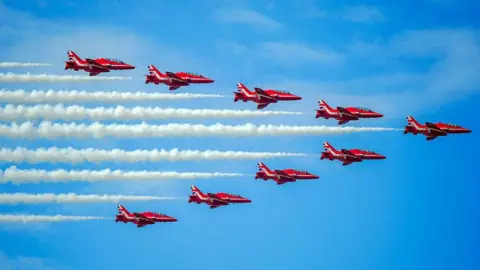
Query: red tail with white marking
[[197, 192], [124, 212], [74, 61], [328, 147], [324, 105], [154, 71], [414, 123], [325, 110], [244, 90], [154, 76], [263, 168], [243, 93], [73, 57]]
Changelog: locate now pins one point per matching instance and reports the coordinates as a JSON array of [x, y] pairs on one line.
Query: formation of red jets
[[263, 98]]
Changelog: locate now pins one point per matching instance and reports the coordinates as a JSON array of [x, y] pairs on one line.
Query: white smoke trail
[[97, 130], [63, 96], [25, 198], [42, 218], [19, 65], [76, 156], [17, 176], [75, 112], [12, 77]]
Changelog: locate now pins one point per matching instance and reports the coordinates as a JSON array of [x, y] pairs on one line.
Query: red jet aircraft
[[282, 176], [348, 156], [262, 97], [174, 80], [433, 130], [215, 199], [94, 66], [141, 219], [344, 115]]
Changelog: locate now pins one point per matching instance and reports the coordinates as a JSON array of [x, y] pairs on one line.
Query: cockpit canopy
[[155, 213], [363, 109], [451, 124], [283, 92], [194, 74], [115, 60]]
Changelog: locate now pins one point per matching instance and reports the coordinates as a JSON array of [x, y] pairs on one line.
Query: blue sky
[[415, 210]]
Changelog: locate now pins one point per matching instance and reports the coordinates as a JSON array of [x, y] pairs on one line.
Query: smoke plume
[[120, 113], [49, 130], [19, 65], [17, 176], [42, 218], [64, 96], [25, 198], [76, 156], [13, 77]]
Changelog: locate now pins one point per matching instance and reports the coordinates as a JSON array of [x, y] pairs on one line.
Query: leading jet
[[433, 130]]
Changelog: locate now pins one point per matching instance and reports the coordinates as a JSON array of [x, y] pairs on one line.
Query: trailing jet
[[433, 130], [282, 176], [94, 66], [215, 199], [348, 156], [141, 219], [344, 115], [174, 80], [262, 97]]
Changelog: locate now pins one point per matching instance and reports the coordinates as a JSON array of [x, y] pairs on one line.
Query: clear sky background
[[418, 209]]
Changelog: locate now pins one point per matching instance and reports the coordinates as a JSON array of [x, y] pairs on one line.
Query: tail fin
[[327, 146], [242, 88], [122, 210], [412, 122], [73, 57], [263, 167], [323, 105], [195, 191], [153, 70]]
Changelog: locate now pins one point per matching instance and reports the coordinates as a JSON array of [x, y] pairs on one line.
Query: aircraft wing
[[349, 155], [262, 95], [345, 114], [434, 130], [96, 64], [215, 198], [284, 177], [174, 76], [281, 182], [262, 105], [143, 220]]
